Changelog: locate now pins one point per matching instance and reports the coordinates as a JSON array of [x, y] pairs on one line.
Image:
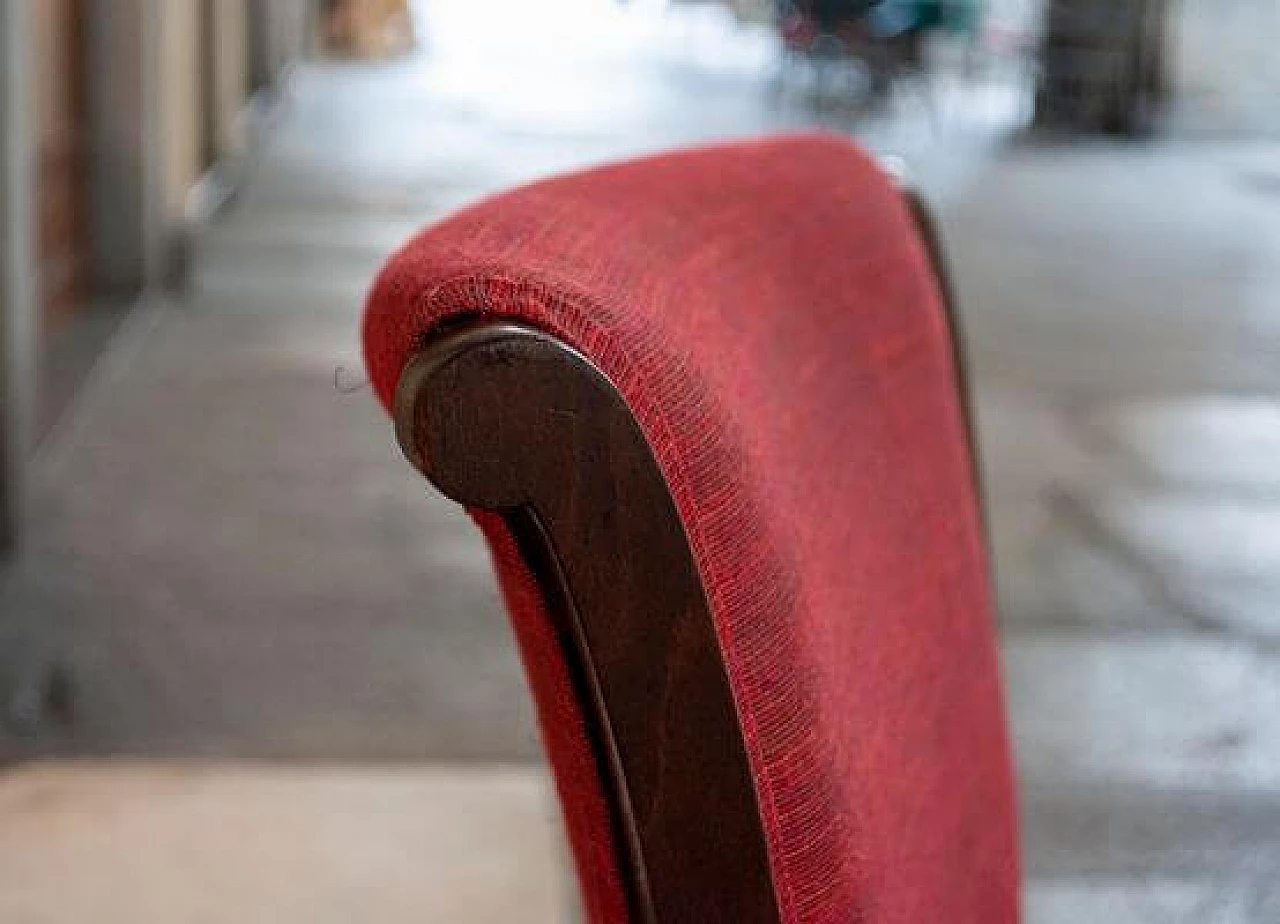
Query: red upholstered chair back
[[771, 318]]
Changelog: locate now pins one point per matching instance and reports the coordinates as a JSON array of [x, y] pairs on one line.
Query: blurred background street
[[253, 669]]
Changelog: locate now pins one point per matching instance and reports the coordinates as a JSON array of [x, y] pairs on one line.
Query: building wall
[[205, 86], [122, 107], [230, 43], [182, 101], [17, 260], [1226, 57], [62, 128]]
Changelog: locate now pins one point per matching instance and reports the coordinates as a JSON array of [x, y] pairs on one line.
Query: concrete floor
[[230, 558]]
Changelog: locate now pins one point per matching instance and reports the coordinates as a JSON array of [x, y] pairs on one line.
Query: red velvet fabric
[[771, 317]]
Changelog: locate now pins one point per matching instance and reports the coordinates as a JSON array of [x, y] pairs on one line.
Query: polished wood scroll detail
[[504, 417]]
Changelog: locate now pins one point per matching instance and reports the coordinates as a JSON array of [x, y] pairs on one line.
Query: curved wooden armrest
[[506, 418]]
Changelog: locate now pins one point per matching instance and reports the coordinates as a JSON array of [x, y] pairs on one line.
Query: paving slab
[[1171, 710], [207, 844]]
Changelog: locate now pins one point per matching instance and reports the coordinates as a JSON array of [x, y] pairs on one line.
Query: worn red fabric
[[770, 315], [563, 725]]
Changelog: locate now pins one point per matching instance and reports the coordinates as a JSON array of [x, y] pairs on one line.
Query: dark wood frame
[[504, 417]]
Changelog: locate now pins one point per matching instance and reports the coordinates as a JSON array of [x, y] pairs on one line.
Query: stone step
[[152, 843]]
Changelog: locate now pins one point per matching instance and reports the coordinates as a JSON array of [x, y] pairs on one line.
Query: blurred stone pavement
[[231, 558]]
